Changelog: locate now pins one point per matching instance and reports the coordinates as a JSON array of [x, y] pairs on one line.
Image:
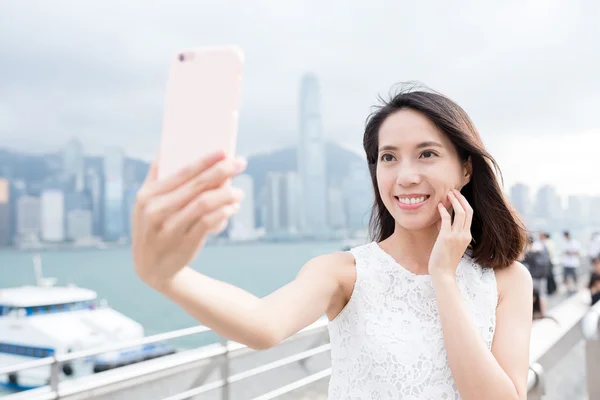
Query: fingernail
[[238, 193], [240, 164]]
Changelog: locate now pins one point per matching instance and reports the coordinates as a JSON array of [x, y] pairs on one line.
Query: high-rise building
[[114, 205], [548, 203], [17, 189], [53, 215], [280, 203], [311, 159], [29, 217], [243, 226], [94, 188], [5, 224], [519, 197], [73, 168], [79, 225]]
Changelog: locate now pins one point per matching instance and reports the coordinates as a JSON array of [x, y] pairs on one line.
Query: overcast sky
[[527, 71]]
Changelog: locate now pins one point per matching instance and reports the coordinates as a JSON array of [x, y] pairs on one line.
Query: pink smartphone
[[201, 106]]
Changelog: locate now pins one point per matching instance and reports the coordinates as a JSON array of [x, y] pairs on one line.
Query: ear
[[467, 171]]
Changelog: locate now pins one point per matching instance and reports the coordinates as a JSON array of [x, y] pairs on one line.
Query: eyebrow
[[419, 146]]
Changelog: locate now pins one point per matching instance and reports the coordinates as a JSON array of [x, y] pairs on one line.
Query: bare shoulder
[[339, 270], [514, 279], [339, 265]]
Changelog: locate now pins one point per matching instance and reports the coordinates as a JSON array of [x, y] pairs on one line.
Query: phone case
[[201, 106]]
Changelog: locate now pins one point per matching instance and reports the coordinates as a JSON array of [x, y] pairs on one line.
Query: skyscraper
[[5, 224], [280, 203], [243, 224], [73, 164], [95, 189], [548, 204], [114, 205], [28, 217], [53, 215], [311, 160]]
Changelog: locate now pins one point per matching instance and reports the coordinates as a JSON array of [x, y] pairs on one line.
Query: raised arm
[[259, 323], [170, 223]]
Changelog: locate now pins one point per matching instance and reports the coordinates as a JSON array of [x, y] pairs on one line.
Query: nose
[[408, 175]]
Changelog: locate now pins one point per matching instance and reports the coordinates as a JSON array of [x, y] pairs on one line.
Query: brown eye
[[387, 157], [428, 154]]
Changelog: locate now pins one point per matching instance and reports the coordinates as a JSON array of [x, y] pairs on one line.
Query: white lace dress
[[387, 342]]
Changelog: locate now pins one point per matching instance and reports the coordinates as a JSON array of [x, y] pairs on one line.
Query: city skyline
[[523, 72], [83, 205]]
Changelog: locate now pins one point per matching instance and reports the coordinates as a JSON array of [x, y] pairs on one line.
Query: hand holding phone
[[186, 195]]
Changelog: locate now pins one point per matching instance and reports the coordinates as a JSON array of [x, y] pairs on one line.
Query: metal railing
[[225, 349], [572, 322], [551, 341]]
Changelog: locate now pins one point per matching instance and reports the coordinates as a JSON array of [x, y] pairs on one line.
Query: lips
[[412, 199]]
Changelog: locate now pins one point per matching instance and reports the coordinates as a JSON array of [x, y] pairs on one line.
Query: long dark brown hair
[[498, 234]]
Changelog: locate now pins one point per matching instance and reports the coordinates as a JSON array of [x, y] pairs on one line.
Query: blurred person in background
[[596, 265], [537, 260], [594, 250], [548, 243], [594, 287], [571, 261], [437, 294], [539, 306]]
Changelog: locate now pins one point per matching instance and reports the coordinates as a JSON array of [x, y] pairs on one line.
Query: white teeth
[[412, 200]]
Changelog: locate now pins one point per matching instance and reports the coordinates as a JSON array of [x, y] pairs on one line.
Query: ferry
[[47, 320]]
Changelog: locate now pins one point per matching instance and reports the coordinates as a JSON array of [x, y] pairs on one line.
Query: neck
[[412, 247]]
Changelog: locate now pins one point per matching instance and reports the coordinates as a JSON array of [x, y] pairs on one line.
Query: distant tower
[[73, 164], [114, 205], [243, 224], [311, 160]]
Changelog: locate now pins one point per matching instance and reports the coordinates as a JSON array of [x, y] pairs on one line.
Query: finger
[[445, 218], [459, 213], [152, 188], [467, 207], [206, 203], [212, 178], [212, 223], [186, 173]]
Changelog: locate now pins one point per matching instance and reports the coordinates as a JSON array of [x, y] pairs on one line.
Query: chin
[[415, 223]]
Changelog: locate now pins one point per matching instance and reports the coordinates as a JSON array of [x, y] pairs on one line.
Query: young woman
[[436, 307]]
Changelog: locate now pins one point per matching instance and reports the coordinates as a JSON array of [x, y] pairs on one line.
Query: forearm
[[475, 370], [228, 310]]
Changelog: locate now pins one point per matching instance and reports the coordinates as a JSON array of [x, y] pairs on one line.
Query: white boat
[[44, 320]]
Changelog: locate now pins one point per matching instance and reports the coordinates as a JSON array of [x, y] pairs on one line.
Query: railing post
[[538, 391], [225, 372], [55, 375], [592, 353]]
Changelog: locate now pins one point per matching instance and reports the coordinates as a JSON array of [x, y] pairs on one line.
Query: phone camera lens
[[182, 57]]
